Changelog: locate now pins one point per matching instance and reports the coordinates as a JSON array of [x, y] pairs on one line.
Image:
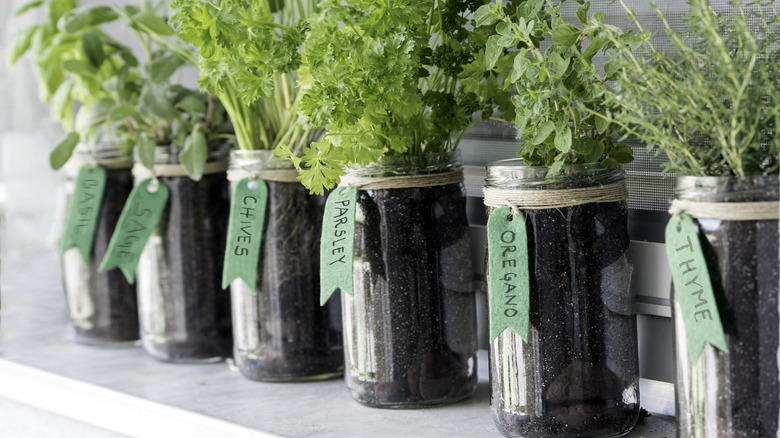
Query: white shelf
[[126, 391]]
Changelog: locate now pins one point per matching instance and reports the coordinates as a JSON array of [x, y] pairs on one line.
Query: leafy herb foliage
[[561, 103], [712, 104], [390, 78], [248, 52], [101, 92]]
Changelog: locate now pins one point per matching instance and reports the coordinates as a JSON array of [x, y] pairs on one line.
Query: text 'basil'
[[337, 244], [83, 211], [508, 275], [138, 219], [245, 232], [692, 287]]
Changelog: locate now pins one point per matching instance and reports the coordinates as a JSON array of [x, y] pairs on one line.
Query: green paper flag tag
[[337, 244], [83, 212], [508, 274], [138, 219], [692, 287], [245, 232]]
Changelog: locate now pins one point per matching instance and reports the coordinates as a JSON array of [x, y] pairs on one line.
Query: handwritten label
[[138, 219], [337, 243], [692, 287], [83, 212], [245, 232], [508, 275]]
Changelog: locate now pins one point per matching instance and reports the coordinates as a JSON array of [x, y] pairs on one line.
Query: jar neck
[[727, 189], [402, 165], [254, 160], [100, 151], [512, 174], [169, 154]]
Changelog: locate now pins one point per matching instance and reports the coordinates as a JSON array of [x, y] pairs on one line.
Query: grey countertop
[[126, 391]]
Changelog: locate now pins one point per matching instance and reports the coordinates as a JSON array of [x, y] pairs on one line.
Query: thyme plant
[[711, 103]]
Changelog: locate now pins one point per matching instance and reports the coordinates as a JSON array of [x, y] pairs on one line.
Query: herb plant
[[390, 78], [247, 55], [83, 74], [561, 99], [712, 104]]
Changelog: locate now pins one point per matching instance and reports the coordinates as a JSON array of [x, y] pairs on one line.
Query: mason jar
[[410, 328], [734, 394], [102, 306], [280, 331], [185, 314], [577, 374]]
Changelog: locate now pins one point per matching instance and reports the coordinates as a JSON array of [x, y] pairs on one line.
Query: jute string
[[402, 182], [141, 172], [549, 199], [727, 211], [275, 175]]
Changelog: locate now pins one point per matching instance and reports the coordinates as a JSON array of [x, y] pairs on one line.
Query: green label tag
[[692, 287], [337, 245], [82, 216], [508, 273], [136, 223], [245, 232]]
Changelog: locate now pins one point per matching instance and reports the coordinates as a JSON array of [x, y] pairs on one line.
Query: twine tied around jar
[[551, 199], [402, 182], [727, 211], [275, 175], [142, 172]]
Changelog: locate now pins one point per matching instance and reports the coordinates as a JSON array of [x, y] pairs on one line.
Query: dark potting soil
[[297, 339], [582, 326], [413, 316], [746, 378], [115, 317], [193, 229]]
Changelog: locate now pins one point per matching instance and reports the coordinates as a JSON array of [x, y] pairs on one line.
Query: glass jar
[[578, 374], [185, 314], [735, 394], [281, 332], [102, 306], [410, 328]]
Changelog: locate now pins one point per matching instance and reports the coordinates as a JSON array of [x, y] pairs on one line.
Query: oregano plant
[[390, 78], [561, 98]]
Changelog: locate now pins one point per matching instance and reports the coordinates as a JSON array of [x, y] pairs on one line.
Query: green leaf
[[485, 15], [90, 17], [93, 48], [595, 45], [163, 68], [61, 103], [145, 147], [155, 101], [194, 155], [94, 114], [556, 166], [611, 67], [79, 67], [582, 13], [521, 64], [21, 43], [544, 131], [122, 112], [492, 51], [558, 64], [27, 7], [192, 105], [62, 152], [602, 123], [565, 34], [149, 22], [563, 140], [276, 5]]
